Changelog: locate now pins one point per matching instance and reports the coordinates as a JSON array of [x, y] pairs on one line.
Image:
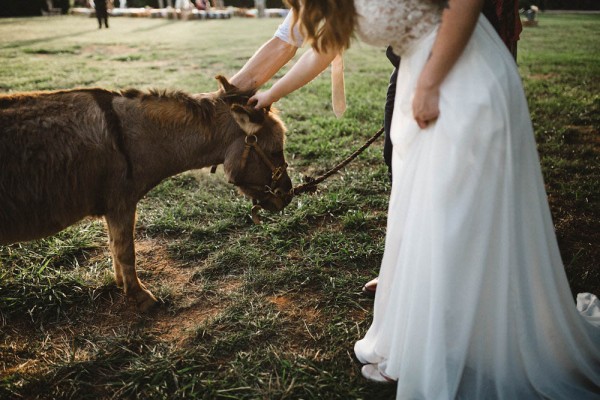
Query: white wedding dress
[[472, 301]]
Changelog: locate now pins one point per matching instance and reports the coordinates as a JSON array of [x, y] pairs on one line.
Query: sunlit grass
[[269, 311]]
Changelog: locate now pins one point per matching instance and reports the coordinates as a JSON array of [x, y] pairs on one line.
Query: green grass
[[252, 312], [559, 63]]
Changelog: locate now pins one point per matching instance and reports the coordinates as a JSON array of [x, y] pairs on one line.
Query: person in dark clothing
[[101, 7], [389, 109]]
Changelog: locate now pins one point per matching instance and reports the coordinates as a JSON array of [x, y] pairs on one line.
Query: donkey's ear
[[224, 84], [248, 118]]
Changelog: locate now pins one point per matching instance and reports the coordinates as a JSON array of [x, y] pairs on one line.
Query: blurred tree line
[[232, 3], [592, 5], [22, 8], [19, 8]]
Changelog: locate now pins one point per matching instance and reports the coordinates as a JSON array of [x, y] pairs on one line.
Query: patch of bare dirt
[[294, 309], [29, 348], [582, 134], [540, 77]]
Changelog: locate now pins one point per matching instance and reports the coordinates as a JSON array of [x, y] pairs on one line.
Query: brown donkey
[[70, 154]]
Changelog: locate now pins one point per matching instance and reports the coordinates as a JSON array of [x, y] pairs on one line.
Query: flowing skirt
[[473, 301]]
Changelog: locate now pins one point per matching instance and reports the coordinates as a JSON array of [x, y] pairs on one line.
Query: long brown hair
[[327, 24]]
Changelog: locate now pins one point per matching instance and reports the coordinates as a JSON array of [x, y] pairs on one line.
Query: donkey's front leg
[[120, 234]]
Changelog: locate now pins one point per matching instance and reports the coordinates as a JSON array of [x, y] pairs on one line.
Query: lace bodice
[[398, 23]]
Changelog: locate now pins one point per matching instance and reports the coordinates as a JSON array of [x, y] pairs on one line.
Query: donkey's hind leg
[[120, 234]]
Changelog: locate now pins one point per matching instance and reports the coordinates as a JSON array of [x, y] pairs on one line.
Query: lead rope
[[310, 186]]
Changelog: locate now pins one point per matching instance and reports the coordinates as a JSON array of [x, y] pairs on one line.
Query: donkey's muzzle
[[275, 202], [276, 199]]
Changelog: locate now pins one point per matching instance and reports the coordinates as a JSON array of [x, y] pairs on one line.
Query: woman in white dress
[[472, 301]]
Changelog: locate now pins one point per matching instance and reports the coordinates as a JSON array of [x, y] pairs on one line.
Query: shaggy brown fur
[[70, 154]]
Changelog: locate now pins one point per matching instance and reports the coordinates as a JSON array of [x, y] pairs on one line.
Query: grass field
[[252, 312]]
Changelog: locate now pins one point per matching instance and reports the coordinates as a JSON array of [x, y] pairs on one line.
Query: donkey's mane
[[198, 106], [179, 104], [232, 96]]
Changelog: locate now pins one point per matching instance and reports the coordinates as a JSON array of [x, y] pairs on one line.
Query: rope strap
[[310, 186]]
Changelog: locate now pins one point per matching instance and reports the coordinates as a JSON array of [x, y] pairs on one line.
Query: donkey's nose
[[285, 196]]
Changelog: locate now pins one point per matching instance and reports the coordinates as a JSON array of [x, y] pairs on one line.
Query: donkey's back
[[59, 161]]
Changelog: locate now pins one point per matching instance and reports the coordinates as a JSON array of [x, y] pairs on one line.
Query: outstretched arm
[[271, 57], [265, 63], [458, 23], [308, 67]]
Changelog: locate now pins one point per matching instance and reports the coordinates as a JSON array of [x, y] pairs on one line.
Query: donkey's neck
[[163, 140]]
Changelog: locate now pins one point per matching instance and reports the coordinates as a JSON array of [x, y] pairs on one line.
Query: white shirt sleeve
[[284, 32]]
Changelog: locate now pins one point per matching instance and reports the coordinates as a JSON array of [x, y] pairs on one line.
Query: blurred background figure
[[202, 4], [529, 9], [183, 4], [260, 8], [101, 7]]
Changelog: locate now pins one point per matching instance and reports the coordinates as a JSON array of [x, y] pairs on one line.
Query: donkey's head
[[255, 162]]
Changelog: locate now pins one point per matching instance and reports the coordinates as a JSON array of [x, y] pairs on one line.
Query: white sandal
[[370, 287]]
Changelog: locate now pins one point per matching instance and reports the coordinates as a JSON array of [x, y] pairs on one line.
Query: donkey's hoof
[[144, 300], [119, 283]]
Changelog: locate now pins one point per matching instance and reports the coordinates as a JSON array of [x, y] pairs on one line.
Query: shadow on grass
[[157, 26], [22, 43]]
